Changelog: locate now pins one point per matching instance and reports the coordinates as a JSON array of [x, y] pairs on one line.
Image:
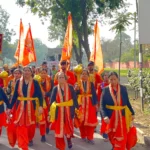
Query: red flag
[[1, 41], [29, 50], [20, 48], [67, 47], [96, 54]]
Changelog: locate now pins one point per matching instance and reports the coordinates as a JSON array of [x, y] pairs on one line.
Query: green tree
[[41, 50], [83, 12], [110, 47], [4, 21], [7, 48], [121, 21]]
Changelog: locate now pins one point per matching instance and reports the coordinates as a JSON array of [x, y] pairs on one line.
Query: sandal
[[69, 144]]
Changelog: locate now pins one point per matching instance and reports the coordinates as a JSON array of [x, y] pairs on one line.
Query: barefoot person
[[63, 98], [117, 112]]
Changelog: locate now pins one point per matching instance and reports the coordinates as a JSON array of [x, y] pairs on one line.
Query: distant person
[[37, 70], [45, 66], [53, 71], [33, 69], [64, 68], [6, 68]]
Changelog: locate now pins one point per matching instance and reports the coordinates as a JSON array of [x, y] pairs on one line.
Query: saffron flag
[[20, 48], [96, 54], [1, 41], [67, 47], [29, 50]]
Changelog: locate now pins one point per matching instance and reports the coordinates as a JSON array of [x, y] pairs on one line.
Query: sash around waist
[[27, 98], [52, 112], [128, 113], [1, 102]]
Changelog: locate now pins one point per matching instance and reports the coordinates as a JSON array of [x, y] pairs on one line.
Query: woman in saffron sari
[[26, 96], [87, 100], [117, 112], [62, 109]]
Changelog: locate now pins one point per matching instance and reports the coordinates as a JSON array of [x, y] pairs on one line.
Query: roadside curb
[[142, 138]]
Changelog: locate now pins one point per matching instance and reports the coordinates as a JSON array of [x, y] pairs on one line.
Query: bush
[[134, 81]]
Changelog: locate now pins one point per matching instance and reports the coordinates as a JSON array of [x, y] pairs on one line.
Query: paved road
[[77, 143]]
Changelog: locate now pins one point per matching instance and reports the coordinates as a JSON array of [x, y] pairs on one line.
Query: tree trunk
[[120, 52], [78, 56], [85, 43], [137, 6]]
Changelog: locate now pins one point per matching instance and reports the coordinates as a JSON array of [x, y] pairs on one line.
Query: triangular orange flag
[[67, 47], [29, 50], [96, 54], [20, 48]]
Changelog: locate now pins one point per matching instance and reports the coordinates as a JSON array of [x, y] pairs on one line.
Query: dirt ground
[[142, 119]]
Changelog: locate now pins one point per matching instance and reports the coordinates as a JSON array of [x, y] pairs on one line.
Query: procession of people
[[62, 102]]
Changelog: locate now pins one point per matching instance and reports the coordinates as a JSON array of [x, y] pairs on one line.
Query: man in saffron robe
[[63, 98], [70, 75], [94, 76], [26, 96], [117, 112]]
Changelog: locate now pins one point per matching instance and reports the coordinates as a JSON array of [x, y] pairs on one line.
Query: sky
[[39, 30]]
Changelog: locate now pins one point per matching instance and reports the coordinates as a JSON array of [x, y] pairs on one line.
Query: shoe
[[91, 142], [47, 130], [84, 139], [30, 143], [106, 140], [69, 144], [43, 139]]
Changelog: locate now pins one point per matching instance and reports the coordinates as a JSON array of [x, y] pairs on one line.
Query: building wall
[[127, 65]]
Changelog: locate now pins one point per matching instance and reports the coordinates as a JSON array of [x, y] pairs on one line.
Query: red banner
[[1, 41]]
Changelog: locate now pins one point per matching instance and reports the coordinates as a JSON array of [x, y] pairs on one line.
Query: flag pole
[[69, 13], [95, 43], [19, 41], [33, 44]]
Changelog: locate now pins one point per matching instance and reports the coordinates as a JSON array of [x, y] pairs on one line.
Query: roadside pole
[[144, 37], [141, 77], [135, 20]]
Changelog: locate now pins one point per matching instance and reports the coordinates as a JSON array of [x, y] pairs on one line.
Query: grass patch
[[123, 72]]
